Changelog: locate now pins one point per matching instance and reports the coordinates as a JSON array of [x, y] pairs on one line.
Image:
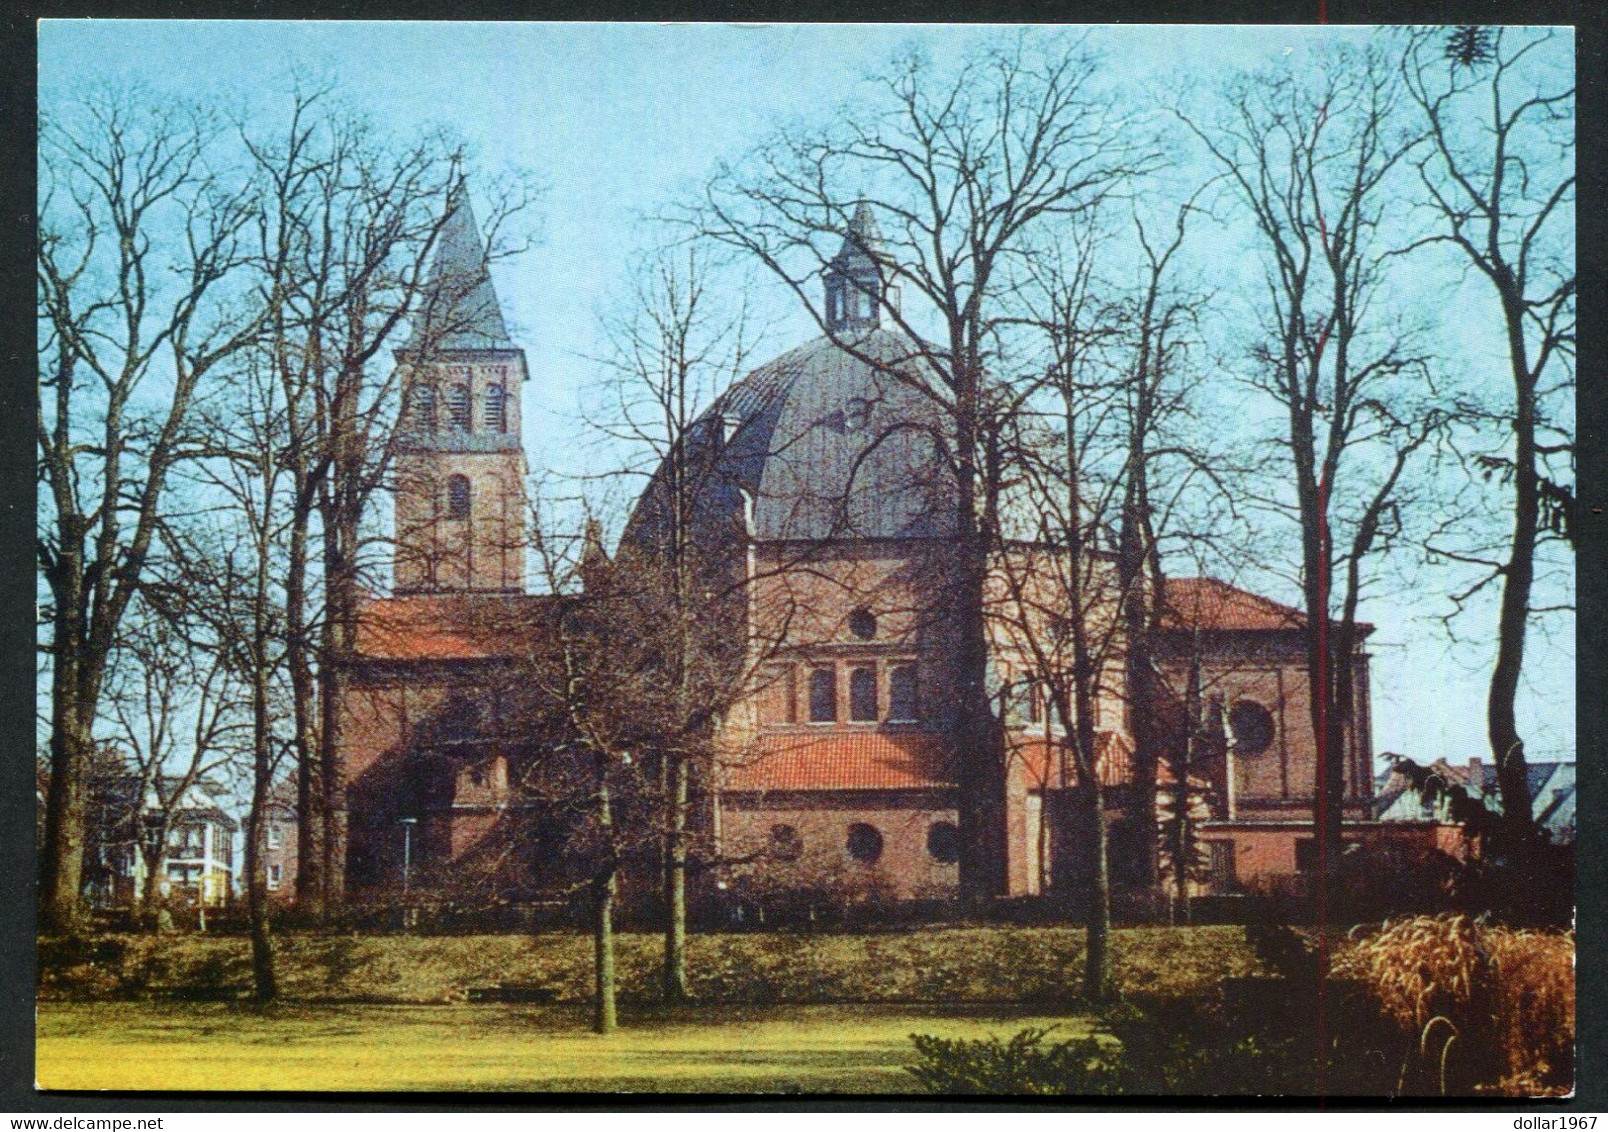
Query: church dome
[[840, 438], [836, 439]]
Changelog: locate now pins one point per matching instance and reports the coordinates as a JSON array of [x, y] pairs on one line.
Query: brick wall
[[905, 870]]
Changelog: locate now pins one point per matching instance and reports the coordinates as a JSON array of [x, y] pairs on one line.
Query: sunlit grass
[[846, 1049]]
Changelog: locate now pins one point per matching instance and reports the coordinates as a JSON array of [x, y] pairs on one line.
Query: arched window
[[863, 624], [943, 842], [823, 695], [785, 843], [422, 408], [496, 413], [902, 694], [1252, 725], [865, 843], [863, 694], [458, 405], [457, 497]]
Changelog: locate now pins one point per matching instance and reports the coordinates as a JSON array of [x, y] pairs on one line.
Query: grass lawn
[[782, 1049]]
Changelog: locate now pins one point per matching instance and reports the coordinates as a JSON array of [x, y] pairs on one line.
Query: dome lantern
[[856, 292]]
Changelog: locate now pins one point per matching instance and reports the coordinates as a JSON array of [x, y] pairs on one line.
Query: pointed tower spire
[[863, 241], [460, 466], [856, 288], [461, 311]]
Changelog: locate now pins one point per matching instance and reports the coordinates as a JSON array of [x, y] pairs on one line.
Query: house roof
[[850, 760], [455, 626], [1209, 603], [1552, 791]]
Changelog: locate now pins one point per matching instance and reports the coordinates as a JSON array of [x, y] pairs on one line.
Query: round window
[[863, 624], [786, 844], [865, 843], [943, 842], [1252, 725]]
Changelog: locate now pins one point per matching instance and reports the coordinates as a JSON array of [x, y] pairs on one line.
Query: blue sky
[[620, 120]]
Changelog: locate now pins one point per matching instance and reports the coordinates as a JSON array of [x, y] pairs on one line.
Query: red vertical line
[[1322, 809]]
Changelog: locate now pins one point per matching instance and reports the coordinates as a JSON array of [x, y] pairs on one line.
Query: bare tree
[[1312, 159], [1499, 178], [141, 248], [1060, 612], [599, 700], [673, 349], [959, 169], [223, 569], [1165, 460]]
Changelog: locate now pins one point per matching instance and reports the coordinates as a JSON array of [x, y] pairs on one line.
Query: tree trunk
[[153, 851], [340, 540], [1518, 578], [264, 981], [675, 887], [1097, 913], [304, 692], [1137, 678], [265, 987], [71, 741], [1327, 796], [332, 771], [1181, 834], [979, 737], [603, 1014], [1081, 727], [1097, 922], [979, 742], [66, 804]]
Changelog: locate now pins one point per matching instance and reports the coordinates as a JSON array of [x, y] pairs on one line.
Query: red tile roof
[[848, 760], [446, 626], [1207, 603], [1041, 761]]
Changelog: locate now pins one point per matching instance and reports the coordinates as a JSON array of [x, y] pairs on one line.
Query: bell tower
[[460, 466]]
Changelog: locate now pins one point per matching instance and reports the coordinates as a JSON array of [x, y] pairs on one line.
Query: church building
[[835, 770]]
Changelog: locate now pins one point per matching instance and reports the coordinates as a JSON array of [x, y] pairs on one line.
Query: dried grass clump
[[1417, 968], [1533, 1008], [1506, 995]]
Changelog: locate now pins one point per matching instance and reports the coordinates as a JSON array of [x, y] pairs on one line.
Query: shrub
[[1024, 1064], [1169, 1047]]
